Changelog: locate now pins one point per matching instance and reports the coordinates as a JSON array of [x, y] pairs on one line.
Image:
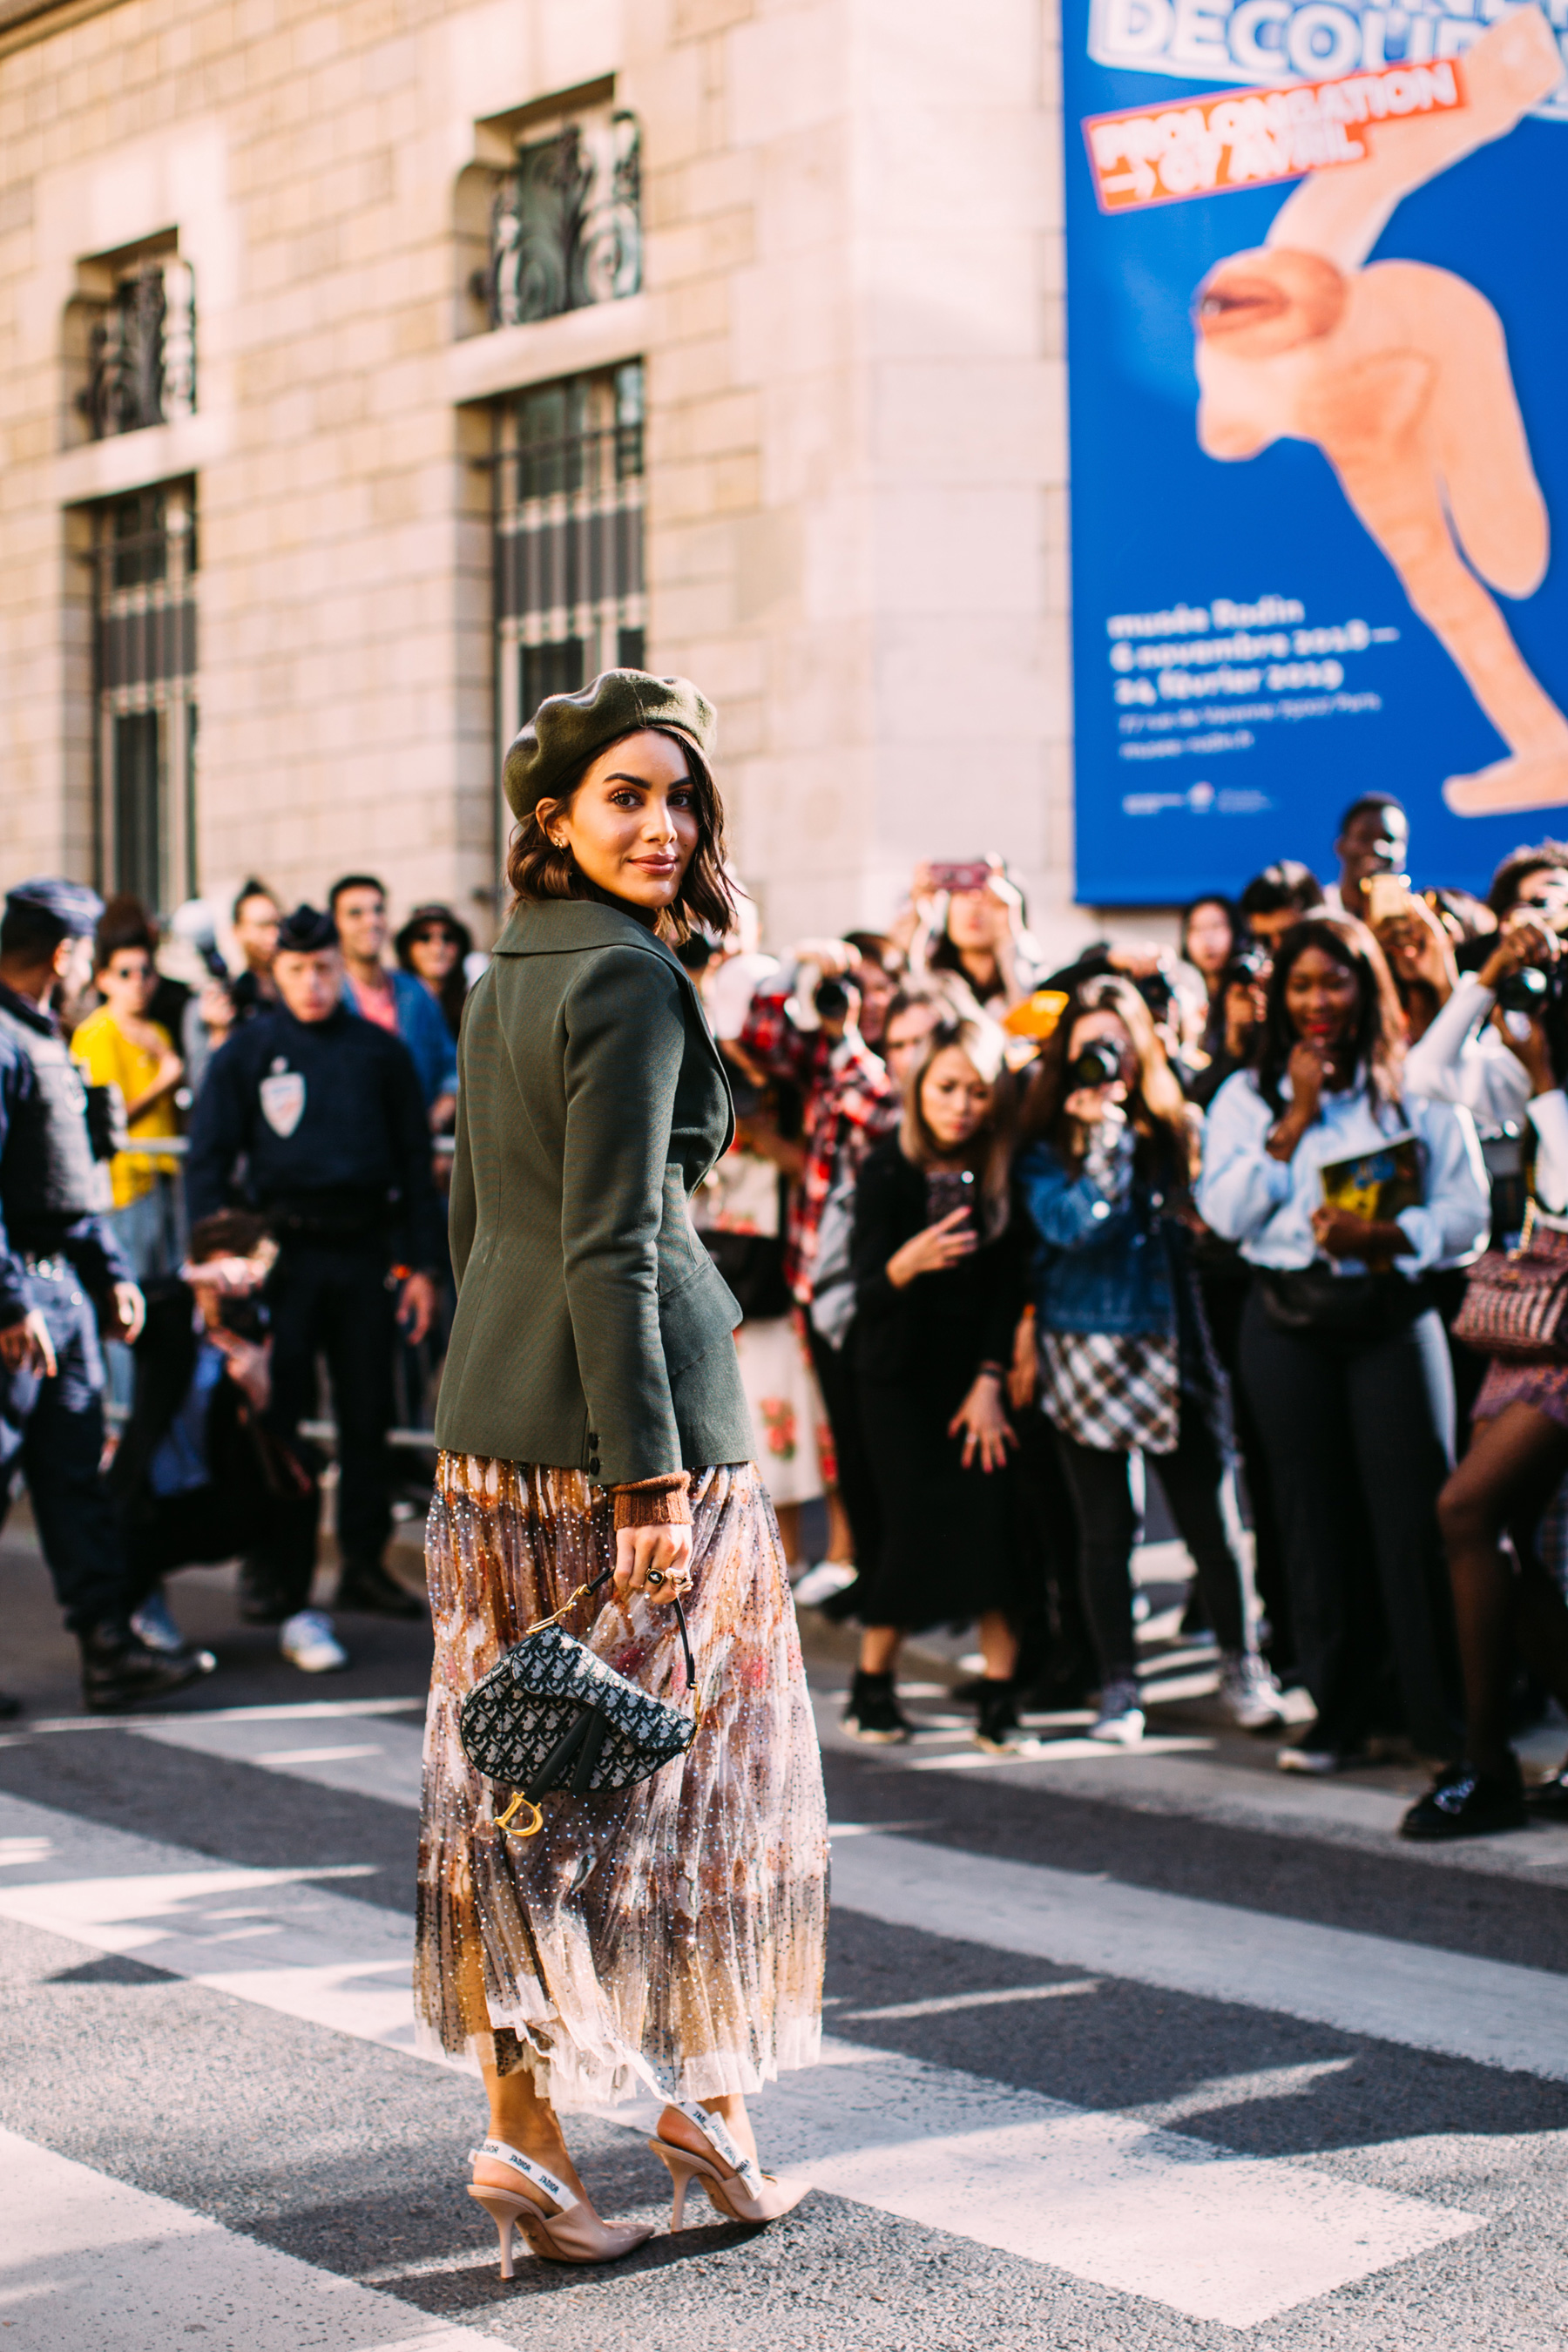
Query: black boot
[[873, 1713], [998, 1728], [118, 1669], [365, 1585], [1463, 1802]]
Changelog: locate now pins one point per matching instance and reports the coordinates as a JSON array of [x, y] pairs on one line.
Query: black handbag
[[1314, 1299], [552, 1715]]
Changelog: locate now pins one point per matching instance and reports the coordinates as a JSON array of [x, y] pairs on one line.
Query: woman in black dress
[[938, 1280]]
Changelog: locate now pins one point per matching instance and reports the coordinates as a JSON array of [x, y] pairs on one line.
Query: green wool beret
[[568, 730]]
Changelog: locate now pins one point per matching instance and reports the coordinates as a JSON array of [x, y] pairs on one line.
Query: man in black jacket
[[326, 1114]]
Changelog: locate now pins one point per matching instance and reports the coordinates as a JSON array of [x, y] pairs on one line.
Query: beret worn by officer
[[77, 910], [567, 731], [306, 932]]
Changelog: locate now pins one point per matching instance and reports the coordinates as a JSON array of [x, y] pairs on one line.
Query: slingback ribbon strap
[[713, 2131], [500, 2153]]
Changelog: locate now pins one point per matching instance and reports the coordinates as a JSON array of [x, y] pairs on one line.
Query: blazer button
[[593, 1438], [593, 1465]]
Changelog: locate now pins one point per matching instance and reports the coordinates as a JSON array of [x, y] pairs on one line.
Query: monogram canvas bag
[[552, 1715]]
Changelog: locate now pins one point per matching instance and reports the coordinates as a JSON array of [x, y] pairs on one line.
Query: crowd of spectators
[[1207, 1212], [1007, 1239]]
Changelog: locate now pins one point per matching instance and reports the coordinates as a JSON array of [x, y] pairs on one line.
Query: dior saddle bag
[[552, 1715]]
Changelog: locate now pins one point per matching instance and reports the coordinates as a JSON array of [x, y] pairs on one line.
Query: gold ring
[[656, 1578]]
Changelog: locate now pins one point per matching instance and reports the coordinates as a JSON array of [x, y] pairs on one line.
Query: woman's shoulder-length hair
[[1377, 1032], [705, 901], [991, 1150]]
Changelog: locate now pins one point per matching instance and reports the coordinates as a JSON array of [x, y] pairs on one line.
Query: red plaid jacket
[[850, 1103]]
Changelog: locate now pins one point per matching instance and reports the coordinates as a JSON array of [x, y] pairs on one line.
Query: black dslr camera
[[1535, 987], [1098, 1065]]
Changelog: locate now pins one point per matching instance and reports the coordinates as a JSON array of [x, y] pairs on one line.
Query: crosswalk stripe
[[159, 2273], [1103, 2196], [1491, 2011]]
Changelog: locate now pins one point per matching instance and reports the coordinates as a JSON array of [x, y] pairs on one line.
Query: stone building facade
[[368, 366]]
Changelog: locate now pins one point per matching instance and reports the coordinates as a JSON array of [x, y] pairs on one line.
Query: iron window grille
[[566, 224], [144, 661], [141, 352], [568, 529]]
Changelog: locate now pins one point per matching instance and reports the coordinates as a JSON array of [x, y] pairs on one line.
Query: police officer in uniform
[[327, 1114], [61, 1271]]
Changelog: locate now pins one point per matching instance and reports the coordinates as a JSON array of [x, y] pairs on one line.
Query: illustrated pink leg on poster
[[1399, 374]]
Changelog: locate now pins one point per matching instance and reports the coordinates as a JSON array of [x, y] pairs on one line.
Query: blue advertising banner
[[1318, 344]]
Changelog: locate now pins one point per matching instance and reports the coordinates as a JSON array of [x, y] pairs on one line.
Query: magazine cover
[[1379, 1184]]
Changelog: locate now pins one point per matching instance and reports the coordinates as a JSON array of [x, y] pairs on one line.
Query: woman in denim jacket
[[1124, 1357]]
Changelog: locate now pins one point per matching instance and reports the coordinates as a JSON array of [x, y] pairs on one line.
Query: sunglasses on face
[[435, 939]]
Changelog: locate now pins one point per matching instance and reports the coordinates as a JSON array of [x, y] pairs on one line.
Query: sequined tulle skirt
[[669, 1934]]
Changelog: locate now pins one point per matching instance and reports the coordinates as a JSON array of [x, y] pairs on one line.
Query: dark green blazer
[[593, 1331]]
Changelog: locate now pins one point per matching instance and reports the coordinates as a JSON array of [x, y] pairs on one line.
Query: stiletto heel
[[498, 2206], [744, 2192], [572, 2233], [680, 2182]]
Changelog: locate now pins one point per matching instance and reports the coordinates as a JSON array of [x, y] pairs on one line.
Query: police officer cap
[[568, 730], [306, 932], [75, 908]]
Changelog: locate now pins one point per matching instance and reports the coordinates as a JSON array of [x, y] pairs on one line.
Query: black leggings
[[1194, 1479], [1359, 1434]]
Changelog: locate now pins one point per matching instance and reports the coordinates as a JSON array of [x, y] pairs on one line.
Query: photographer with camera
[[198, 1476], [803, 1029], [1472, 1054], [1234, 1021], [1124, 1357], [1344, 1192], [970, 936]]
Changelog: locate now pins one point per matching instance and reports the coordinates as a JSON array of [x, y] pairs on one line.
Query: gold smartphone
[[1388, 897]]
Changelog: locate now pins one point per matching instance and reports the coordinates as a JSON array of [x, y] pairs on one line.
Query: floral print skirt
[[667, 1936]]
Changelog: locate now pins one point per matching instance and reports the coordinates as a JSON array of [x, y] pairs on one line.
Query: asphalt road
[[1161, 2051]]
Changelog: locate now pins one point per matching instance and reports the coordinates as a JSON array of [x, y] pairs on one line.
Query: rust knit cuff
[[663, 1502]]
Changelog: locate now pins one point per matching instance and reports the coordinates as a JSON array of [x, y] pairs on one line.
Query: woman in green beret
[[667, 1936]]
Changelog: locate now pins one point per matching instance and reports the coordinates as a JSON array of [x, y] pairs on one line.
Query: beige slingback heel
[[742, 2192], [572, 2233]]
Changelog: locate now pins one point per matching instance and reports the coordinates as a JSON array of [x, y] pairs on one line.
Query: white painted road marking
[[1488, 2011], [156, 2274], [385, 1760], [1103, 2196]]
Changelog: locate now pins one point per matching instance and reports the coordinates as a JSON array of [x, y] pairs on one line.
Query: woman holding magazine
[[1345, 1194]]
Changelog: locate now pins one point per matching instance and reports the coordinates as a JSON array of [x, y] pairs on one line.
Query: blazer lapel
[[568, 926]]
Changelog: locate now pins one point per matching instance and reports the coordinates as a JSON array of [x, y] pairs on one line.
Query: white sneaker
[[821, 1582], [1249, 1693], [307, 1641], [1120, 1718]]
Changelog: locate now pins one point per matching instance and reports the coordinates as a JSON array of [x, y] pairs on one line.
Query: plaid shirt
[[850, 1103]]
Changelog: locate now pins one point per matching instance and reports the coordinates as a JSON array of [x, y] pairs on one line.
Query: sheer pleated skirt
[[671, 1935]]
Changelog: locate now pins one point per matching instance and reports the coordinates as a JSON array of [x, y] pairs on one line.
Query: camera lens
[[1098, 1065], [1524, 990], [831, 999]]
